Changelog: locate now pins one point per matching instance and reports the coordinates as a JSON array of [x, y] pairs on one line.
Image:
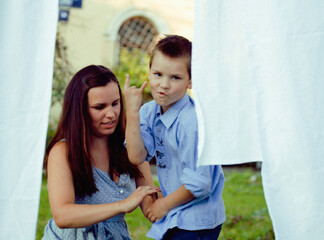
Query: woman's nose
[[110, 112]]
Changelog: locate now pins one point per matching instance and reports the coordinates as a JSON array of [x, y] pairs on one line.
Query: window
[[137, 32]]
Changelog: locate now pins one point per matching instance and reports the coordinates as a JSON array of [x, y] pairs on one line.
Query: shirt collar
[[170, 116]]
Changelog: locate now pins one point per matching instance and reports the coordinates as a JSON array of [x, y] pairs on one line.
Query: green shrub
[[61, 76], [135, 62]]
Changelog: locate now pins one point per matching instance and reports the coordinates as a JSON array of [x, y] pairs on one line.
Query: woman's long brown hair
[[75, 128]]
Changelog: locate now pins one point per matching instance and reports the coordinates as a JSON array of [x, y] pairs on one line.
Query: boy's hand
[[133, 96], [158, 210], [162, 206], [146, 204]]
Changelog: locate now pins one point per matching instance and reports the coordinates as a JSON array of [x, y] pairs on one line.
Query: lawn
[[246, 210]]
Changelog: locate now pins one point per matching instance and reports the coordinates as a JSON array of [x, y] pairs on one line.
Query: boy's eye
[[157, 74], [176, 77]]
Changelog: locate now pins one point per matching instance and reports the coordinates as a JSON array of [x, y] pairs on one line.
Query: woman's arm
[[65, 212]]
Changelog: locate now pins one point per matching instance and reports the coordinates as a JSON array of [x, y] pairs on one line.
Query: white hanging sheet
[[258, 81], [27, 43]]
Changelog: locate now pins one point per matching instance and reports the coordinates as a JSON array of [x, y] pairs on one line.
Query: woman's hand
[[135, 199]]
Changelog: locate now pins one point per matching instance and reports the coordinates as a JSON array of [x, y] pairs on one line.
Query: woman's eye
[[98, 107], [115, 103]]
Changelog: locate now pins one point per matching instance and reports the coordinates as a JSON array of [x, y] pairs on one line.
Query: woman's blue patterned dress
[[114, 228]]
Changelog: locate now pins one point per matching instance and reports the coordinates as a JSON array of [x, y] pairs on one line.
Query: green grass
[[246, 210], [247, 215], [44, 213]]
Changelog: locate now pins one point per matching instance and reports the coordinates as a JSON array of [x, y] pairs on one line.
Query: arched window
[[137, 32]]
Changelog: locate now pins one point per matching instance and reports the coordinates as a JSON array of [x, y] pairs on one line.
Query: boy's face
[[169, 79]]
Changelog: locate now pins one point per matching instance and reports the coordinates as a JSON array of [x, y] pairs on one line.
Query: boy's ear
[[189, 86]]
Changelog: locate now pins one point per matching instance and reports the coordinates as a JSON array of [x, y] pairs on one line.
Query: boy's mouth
[[161, 94]]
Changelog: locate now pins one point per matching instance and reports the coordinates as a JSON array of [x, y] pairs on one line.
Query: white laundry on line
[[259, 89], [27, 43]]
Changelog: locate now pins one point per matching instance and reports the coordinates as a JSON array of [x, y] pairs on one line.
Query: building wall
[[91, 32]]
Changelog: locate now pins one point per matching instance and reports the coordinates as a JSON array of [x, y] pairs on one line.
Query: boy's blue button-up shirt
[[172, 138]]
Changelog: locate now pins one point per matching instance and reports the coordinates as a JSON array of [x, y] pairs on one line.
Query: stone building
[[95, 32]]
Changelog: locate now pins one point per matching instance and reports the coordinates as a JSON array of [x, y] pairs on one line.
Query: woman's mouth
[[109, 124]]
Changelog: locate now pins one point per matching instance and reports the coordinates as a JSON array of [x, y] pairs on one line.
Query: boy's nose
[[164, 83]]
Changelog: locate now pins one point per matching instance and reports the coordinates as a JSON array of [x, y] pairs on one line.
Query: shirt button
[[121, 190], [123, 184]]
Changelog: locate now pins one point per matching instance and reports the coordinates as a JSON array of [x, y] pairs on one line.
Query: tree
[[61, 77]]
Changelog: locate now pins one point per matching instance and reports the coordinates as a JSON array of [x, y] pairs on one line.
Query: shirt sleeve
[[198, 180], [147, 133]]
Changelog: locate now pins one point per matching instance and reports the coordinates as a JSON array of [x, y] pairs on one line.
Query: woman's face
[[104, 109]]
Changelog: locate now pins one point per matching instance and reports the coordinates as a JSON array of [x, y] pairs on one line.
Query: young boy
[[192, 206]]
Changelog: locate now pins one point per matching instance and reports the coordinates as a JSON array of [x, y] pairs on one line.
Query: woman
[[91, 182]]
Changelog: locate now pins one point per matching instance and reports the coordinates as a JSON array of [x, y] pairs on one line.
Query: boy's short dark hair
[[174, 46]]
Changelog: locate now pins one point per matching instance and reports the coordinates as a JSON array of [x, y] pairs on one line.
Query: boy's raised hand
[[133, 95]]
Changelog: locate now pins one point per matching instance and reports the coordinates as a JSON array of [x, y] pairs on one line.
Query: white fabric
[[27, 43], [258, 81]]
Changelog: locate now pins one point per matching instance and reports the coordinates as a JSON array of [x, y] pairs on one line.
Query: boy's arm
[[162, 206], [133, 101], [147, 180]]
